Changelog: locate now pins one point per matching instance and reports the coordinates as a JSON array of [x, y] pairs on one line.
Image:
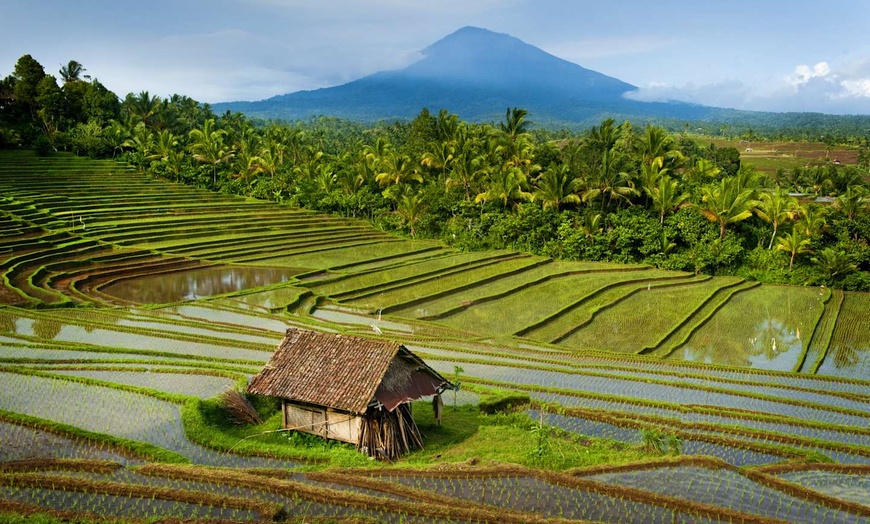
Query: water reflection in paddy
[[196, 283]]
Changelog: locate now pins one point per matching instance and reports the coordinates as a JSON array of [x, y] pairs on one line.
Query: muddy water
[[195, 283]]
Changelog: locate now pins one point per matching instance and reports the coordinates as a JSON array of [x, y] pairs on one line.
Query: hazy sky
[[796, 55]]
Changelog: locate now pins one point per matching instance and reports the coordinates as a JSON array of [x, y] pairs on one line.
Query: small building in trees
[[352, 389]]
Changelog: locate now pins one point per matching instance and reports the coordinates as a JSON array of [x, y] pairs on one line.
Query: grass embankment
[[465, 434]]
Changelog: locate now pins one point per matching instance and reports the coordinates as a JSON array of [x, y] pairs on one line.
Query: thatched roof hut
[[349, 388]]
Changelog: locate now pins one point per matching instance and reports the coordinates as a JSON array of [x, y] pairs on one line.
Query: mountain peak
[[474, 72], [482, 57]]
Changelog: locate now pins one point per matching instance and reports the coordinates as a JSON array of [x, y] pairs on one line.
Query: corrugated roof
[[338, 371]]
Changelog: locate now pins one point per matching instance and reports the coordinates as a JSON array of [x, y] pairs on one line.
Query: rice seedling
[[849, 351], [767, 327]]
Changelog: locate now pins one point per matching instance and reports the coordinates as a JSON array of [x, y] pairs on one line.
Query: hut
[[352, 389]]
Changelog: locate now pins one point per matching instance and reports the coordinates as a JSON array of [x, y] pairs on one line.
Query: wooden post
[[437, 408]]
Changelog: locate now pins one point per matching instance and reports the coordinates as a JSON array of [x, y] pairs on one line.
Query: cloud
[[804, 73], [808, 88]]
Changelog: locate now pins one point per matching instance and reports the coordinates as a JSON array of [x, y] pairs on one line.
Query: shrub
[[503, 402]]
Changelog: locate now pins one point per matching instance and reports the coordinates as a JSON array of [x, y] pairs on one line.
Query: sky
[[770, 55]]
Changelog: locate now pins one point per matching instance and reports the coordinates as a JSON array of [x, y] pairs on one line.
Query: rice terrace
[[589, 391]]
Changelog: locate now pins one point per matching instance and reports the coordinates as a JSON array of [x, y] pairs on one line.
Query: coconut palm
[[440, 157], [702, 171], [411, 207], [795, 243], [776, 208], [812, 220], [603, 138], [609, 183], [853, 202], [142, 107], [650, 174], [164, 145], [556, 187], [591, 225], [271, 155], [507, 185], [465, 170], [397, 169], [72, 71], [141, 141], [666, 197], [727, 203], [207, 146], [115, 136], [515, 123]]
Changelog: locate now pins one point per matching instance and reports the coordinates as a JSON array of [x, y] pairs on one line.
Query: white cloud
[[857, 88], [815, 88], [804, 73]]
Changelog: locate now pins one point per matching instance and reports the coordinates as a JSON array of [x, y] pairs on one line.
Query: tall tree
[[609, 183], [795, 243], [515, 123], [556, 187], [666, 196], [776, 208], [727, 203], [71, 72], [207, 146], [411, 207], [507, 186], [28, 74]]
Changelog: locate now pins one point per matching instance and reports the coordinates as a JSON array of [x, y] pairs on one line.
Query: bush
[[42, 146], [503, 402]]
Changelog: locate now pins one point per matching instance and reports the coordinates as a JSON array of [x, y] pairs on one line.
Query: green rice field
[[128, 305]]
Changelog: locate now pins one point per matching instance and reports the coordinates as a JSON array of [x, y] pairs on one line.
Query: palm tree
[[141, 140], [207, 146], [776, 208], [397, 169], [271, 155], [514, 124], [704, 170], [666, 197], [440, 157], [166, 143], [325, 177], [651, 172], [608, 183], [853, 202], [795, 243], [142, 107], [115, 136], [656, 143], [507, 185], [465, 170], [726, 203], [602, 138], [556, 186], [72, 72], [812, 220], [411, 207], [591, 225]]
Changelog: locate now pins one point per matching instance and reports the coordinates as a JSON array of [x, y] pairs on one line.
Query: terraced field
[[129, 301]]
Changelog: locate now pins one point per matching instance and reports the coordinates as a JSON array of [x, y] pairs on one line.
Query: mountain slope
[[476, 74], [473, 72]]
